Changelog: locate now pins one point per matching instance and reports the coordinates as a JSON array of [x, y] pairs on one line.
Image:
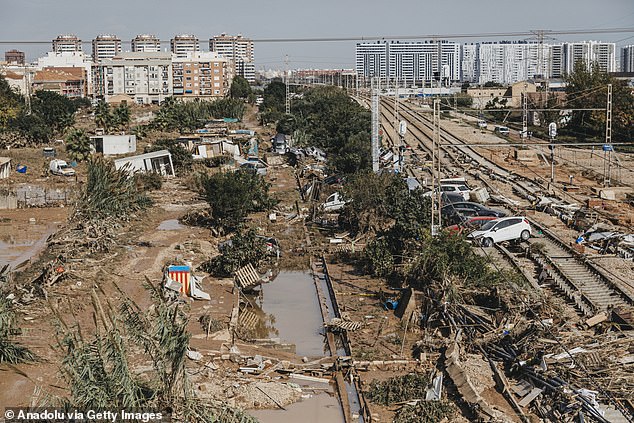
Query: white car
[[499, 230], [457, 188]]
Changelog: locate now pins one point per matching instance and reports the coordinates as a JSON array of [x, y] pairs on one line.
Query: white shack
[[157, 161], [111, 145], [5, 167]]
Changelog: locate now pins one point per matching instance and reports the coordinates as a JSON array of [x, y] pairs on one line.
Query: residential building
[[18, 80], [511, 62], [145, 43], [627, 58], [371, 60], [75, 59], [410, 62], [184, 44], [71, 82], [105, 46], [14, 57], [238, 50], [588, 52], [557, 61], [200, 75], [469, 63], [66, 43], [145, 77]]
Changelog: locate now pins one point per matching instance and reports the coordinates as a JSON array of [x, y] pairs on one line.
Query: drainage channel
[[339, 346], [288, 310]]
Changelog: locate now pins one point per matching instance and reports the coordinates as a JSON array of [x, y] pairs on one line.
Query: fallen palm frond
[[100, 370], [109, 198], [399, 388], [425, 412], [11, 352]]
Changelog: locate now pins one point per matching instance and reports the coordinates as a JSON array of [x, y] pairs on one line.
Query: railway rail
[[587, 286]]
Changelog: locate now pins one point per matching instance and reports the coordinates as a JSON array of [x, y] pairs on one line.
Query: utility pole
[[524, 114], [607, 148], [435, 172], [375, 85], [288, 96]]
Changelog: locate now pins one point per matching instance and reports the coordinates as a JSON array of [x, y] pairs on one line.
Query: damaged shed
[[157, 161]]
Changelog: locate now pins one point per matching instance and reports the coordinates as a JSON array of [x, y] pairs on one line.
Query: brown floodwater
[[290, 311], [23, 232], [318, 408]]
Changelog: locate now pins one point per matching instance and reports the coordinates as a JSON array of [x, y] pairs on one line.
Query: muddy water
[[23, 233], [316, 409], [291, 311]]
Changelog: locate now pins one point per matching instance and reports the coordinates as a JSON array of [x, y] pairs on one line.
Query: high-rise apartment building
[[105, 46], [14, 57], [145, 43], [66, 43], [184, 44], [469, 63], [145, 77], [410, 62], [627, 58], [238, 50], [556, 61], [371, 60], [200, 75], [589, 52], [511, 62]]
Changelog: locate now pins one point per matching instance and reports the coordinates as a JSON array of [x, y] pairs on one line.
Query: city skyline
[[281, 19]]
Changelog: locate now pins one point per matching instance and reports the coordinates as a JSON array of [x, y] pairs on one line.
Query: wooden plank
[[530, 397]]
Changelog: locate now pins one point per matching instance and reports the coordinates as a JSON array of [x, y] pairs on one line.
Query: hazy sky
[[43, 20]]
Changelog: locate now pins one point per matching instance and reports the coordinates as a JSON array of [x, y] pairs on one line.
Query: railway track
[[589, 288]]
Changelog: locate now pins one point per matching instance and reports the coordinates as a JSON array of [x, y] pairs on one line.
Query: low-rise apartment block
[[145, 77], [200, 75], [68, 81]]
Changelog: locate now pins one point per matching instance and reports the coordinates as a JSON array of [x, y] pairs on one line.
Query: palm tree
[[121, 116], [78, 145], [103, 118]]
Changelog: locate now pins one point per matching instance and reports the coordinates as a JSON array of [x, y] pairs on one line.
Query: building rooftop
[[60, 74]]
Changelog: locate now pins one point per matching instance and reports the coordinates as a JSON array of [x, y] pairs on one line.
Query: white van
[[502, 130]]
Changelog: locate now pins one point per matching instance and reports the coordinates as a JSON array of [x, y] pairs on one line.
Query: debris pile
[[558, 369]]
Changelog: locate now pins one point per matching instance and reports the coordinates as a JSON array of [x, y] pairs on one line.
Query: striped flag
[[182, 275]]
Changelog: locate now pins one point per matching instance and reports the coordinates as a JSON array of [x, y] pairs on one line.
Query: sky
[[43, 20]]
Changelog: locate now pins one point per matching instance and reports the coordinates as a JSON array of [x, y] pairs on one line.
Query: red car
[[470, 224]]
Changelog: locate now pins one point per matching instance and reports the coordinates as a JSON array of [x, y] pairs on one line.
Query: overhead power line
[[582, 31]]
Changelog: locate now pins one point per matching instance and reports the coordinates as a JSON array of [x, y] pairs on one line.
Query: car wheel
[[487, 242], [525, 235]]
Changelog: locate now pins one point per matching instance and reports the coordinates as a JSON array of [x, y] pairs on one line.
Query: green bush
[[233, 195]]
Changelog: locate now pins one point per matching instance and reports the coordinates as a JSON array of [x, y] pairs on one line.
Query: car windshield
[[488, 225]]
